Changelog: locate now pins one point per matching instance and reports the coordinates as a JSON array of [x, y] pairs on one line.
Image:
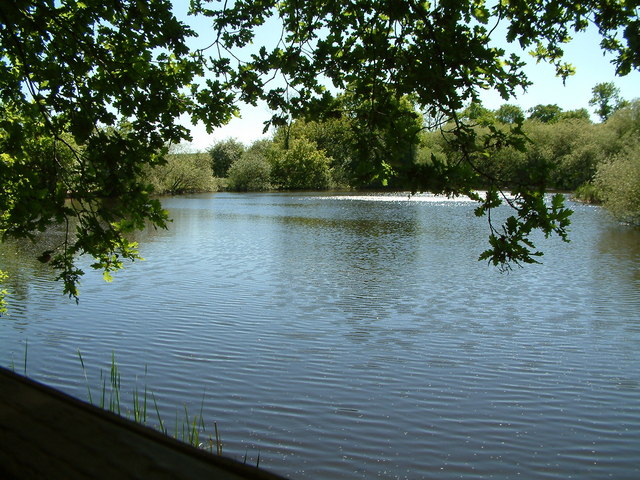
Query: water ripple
[[358, 337]]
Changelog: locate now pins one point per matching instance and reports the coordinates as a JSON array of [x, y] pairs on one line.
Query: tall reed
[[188, 429]]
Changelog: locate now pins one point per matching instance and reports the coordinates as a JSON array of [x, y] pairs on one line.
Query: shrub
[[588, 193], [624, 127], [571, 148], [183, 173], [619, 182], [223, 154], [251, 172], [302, 166]]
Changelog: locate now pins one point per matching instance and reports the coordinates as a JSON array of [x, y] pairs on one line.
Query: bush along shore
[[564, 150]]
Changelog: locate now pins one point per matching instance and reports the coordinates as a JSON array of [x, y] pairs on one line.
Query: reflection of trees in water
[[622, 243], [19, 258], [19, 261], [350, 263], [620, 240]]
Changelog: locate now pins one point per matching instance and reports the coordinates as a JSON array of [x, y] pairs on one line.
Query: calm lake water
[[356, 336]]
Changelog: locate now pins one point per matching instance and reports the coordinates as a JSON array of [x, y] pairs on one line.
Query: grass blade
[[86, 379], [218, 439], [26, 349], [163, 429]]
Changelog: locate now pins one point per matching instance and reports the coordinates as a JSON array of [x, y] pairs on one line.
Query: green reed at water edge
[[188, 429], [24, 362]]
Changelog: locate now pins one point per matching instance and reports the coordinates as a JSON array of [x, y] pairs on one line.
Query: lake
[[345, 336]]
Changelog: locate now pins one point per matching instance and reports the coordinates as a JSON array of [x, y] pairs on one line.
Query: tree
[[77, 68], [336, 137], [333, 135], [569, 149], [103, 83], [301, 166], [624, 124], [579, 114], [385, 133], [182, 173], [223, 154], [477, 114], [606, 99], [251, 172], [509, 114], [545, 113], [618, 182]]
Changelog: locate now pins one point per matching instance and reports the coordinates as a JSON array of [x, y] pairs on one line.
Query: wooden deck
[[47, 434]]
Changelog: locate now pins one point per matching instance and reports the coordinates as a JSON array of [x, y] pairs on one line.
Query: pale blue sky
[[584, 53]]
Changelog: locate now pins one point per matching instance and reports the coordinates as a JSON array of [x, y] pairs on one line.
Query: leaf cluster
[[89, 95]]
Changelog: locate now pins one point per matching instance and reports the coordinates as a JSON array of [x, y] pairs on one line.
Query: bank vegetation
[[563, 150]]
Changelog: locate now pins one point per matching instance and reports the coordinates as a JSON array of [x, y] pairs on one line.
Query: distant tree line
[[562, 150]]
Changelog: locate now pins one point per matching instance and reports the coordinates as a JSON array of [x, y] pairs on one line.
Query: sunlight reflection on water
[[419, 197]]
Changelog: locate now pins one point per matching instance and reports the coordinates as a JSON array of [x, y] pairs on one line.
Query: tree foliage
[[252, 171], [580, 114], [182, 173], [618, 178], [69, 73], [335, 137], [223, 154], [300, 167], [361, 154], [509, 114], [72, 71], [618, 182], [606, 99], [545, 113]]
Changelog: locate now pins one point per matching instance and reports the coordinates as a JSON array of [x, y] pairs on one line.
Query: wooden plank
[[45, 433]]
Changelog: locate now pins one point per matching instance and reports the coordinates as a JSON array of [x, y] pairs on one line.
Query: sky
[[583, 52]]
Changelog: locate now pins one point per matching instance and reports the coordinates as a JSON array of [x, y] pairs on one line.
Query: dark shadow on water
[[622, 244]]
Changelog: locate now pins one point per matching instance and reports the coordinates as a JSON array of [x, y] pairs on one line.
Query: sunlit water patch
[[403, 197]]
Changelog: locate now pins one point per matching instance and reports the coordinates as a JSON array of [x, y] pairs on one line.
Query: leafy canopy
[[223, 154], [91, 92], [606, 99]]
